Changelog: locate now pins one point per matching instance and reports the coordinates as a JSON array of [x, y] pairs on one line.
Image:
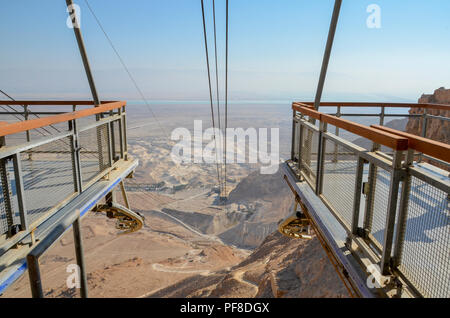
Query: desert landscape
[[193, 244]]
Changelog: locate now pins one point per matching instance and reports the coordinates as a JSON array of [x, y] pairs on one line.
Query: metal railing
[[393, 208], [424, 116], [42, 174]]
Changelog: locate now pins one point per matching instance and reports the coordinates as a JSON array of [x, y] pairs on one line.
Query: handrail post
[[76, 160], [121, 138], [293, 136], [396, 176], [320, 157], [300, 152], [110, 146], [357, 196], [125, 142], [369, 191], [20, 192], [424, 129], [338, 115], [382, 114], [403, 211], [26, 115]]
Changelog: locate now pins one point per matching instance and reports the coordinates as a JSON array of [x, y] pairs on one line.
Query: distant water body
[[267, 103]]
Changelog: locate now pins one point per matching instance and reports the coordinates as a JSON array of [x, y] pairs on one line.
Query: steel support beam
[[78, 239], [326, 56], [80, 42], [34, 274]]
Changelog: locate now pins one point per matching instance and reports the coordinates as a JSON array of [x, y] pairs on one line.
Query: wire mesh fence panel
[[94, 152], [339, 169], [380, 204], [9, 213], [47, 174], [3, 216], [426, 245], [309, 151]]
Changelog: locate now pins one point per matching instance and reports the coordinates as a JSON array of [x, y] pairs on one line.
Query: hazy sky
[[276, 49]]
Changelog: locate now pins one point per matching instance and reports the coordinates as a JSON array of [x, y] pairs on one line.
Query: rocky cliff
[[437, 129]]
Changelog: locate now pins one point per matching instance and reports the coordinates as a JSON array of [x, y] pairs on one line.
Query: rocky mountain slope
[[437, 129], [279, 267]]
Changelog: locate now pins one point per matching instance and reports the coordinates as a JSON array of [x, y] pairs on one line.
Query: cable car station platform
[[49, 183], [382, 214]]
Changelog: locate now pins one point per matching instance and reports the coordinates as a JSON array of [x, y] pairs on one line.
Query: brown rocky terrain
[[437, 129], [279, 267]]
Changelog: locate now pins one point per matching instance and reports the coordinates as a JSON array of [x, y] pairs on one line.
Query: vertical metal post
[[424, 130], [124, 194], [121, 133], [109, 144], [320, 157], [20, 192], [113, 140], [396, 175], [110, 197], [370, 194], [125, 143], [35, 276], [76, 163], [336, 147], [382, 115], [293, 136], [78, 239], [403, 211], [357, 197], [26, 115], [300, 146], [326, 56]]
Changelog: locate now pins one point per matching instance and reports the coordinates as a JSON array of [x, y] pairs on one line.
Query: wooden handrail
[[380, 137], [21, 126], [307, 111], [371, 104], [427, 146], [51, 102]]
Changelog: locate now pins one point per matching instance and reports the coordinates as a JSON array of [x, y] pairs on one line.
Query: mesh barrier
[[339, 179], [309, 149], [380, 204], [47, 176], [426, 245], [7, 188], [94, 153], [3, 217]]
